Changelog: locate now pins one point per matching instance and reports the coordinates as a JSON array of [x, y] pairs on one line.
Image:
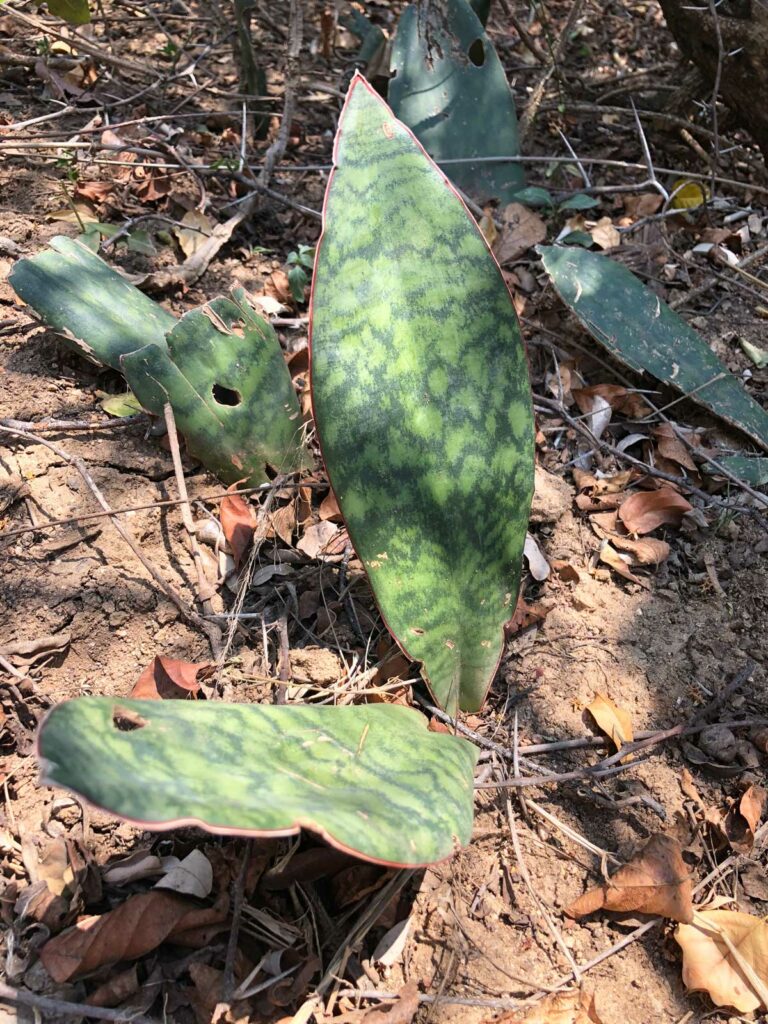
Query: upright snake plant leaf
[[634, 325], [78, 294], [421, 399], [449, 87], [230, 390], [371, 779]]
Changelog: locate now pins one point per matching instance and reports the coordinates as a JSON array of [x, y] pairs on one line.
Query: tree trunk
[[744, 62]]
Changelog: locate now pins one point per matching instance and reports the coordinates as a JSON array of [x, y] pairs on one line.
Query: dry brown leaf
[[329, 508], [725, 953], [743, 818], [620, 563], [558, 1008], [238, 521], [282, 523], [116, 990], [614, 721], [401, 1011], [131, 930], [196, 231], [646, 510], [645, 204], [618, 397], [671, 447], [646, 551], [525, 616], [94, 191], [521, 229], [566, 571], [656, 881], [317, 538], [169, 679], [605, 234]]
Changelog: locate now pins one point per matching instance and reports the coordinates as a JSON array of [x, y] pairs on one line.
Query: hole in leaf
[[417, 631], [126, 720], [226, 396], [476, 53]]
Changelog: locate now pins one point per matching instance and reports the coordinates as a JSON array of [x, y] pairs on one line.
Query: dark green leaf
[[636, 326], [533, 196], [75, 12], [78, 294], [231, 393], [141, 242], [582, 238], [298, 281], [579, 202], [450, 88], [370, 779], [422, 400]]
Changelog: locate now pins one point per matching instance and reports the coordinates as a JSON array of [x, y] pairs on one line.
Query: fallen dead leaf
[[525, 617], [656, 881], [521, 229], [238, 521], [131, 930], [605, 234], [645, 204], [645, 551], [744, 816], [195, 233], [537, 563], [192, 876], [116, 990], [558, 1008], [94, 191], [169, 679], [329, 508], [725, 953], [646, 510], [401, 1011], [317, 538], [619, 398], [620, 563], [671, 447], [612, 720], [282, 523]]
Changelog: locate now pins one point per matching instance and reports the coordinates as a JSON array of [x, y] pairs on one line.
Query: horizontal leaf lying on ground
[[656, 881], [370, 779], [725, 953], [634, 324]]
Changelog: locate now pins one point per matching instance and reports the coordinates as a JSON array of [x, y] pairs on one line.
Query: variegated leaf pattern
[[421, 399], [371, 779]]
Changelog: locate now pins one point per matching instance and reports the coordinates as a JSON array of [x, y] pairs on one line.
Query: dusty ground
[[487, 927]]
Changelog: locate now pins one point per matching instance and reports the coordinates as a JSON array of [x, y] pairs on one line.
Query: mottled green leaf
[[75, 12], [450, 88], [749, 468], [78, 294], [634, 324], [371, 779], [230, 390], [422, 400]]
